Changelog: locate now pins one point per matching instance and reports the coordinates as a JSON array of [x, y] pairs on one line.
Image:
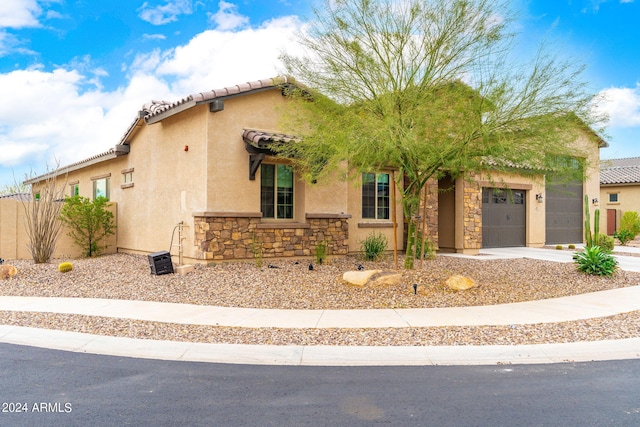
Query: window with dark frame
[[375, 196], [613, 197], [276, 191]]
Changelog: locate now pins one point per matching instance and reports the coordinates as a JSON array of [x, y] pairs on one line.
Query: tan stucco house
[[619, 191], [204, 162]]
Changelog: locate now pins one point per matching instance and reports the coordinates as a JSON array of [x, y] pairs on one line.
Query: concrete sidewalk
[[598, 304]]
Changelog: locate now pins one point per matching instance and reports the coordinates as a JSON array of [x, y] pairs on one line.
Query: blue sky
[[74, 73]]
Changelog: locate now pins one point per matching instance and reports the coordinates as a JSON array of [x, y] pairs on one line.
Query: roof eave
[[109, 155]]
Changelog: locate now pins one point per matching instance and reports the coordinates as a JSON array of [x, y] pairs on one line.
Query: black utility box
[[160, 263]]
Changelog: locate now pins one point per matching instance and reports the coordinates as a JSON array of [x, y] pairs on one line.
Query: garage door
[[564, 207], [503, 218]]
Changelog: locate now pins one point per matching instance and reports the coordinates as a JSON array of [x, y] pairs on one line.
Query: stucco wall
[[169, 162], [14, 240]]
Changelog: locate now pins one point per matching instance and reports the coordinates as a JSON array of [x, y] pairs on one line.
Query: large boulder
[[460, 283], [372, 278], [7, 271]]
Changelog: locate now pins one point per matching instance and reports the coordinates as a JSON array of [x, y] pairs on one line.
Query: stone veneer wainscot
[[233, 235]]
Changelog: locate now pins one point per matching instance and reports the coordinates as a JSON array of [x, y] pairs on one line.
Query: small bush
[[630, 221], [606, 242], [429, 252], [571, 246], [321, 252], [65, 267], [595, 261], [256, 248], [559, 247], [624, 235], [374, 246]]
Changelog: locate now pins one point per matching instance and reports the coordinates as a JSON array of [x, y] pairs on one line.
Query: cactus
[[591, 239], [65, 267], [587, 223], [596, 228]]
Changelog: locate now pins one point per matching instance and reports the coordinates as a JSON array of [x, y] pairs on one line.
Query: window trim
[[376, 197], [74, 189], [107, 179], [275, 194]]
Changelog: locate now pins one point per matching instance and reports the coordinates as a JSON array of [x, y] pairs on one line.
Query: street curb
[[322, 355]]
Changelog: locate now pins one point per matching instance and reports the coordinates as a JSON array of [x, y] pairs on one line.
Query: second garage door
[[503, 218], [564, 208]]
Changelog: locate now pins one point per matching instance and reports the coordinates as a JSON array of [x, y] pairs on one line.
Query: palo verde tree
[[88, 222], [428, 87]]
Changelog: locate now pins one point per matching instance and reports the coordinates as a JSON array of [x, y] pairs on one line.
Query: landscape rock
[[7, 271], [372, 278], [460, 283]]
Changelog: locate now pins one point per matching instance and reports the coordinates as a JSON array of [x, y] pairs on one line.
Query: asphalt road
[[42, 387]]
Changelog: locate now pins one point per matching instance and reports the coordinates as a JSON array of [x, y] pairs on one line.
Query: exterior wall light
[[539, 198], [595, 201]]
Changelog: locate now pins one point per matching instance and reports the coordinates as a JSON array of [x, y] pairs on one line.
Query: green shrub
[[65, 267], [571, 246], [624, 235], [559, 247], [606, 242], [321, 251], [256, 248], [88, 221], [595, 261], [374, 246], [630, 221], [429, 252]]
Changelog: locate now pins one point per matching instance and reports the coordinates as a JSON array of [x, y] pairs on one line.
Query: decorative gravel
[[289, 284]]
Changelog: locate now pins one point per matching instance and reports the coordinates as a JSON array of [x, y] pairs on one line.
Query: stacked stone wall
[[231, 238], [472, 215]]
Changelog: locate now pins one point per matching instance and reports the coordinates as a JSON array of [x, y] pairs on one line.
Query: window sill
[[129, 185], [386, 224]]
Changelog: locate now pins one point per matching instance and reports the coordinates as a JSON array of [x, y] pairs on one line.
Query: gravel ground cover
[[289, 284]]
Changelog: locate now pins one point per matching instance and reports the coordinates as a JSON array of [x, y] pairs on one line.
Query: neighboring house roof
[[620, 171]]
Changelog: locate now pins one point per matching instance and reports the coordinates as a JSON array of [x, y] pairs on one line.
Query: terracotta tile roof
[[155, 108], [107, 155], [260, 138], [620, 171]]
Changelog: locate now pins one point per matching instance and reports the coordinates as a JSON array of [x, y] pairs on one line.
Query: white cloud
[[622, 105], [14, 154], [163, 14], [220, 58], [227, 17], [19, 13], [154, 36]]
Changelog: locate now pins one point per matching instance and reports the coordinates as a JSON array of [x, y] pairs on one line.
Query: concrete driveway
[[625, 262]]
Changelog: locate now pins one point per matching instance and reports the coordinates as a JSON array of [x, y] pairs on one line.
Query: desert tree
[[429, 88], [42, 213]]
